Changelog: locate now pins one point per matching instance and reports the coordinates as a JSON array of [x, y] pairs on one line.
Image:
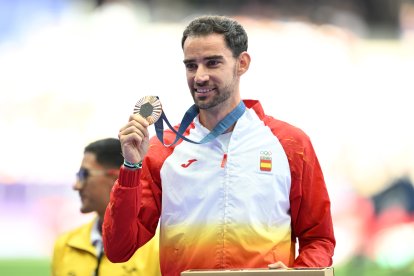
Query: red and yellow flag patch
[[266, 161]]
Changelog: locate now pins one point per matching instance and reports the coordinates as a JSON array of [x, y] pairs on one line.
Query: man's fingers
[[134, 130], [138, 118], [278, 265], [136, 124]]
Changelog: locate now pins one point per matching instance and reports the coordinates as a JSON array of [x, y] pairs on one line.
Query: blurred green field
[[24, 267]]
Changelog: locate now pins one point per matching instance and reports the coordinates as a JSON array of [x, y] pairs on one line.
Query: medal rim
[[157, 108]]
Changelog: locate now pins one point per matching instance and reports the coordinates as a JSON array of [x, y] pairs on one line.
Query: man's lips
[[203, 90]]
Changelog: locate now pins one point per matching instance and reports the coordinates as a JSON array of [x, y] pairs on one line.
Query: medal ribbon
[[189, 116]]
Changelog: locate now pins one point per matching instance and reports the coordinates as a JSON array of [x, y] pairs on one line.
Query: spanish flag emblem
[[265, 163]]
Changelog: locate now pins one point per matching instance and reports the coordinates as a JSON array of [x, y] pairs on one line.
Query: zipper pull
[[224, 160]]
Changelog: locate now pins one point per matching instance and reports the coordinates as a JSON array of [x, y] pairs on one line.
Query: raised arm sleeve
[[132, 214]]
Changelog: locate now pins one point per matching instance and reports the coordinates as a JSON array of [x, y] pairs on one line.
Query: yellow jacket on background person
[[76, 255], [80, 252]]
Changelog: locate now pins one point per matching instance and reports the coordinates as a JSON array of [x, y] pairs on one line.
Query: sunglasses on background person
[[83, 174]]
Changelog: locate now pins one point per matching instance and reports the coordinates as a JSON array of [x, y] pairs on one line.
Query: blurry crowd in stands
[[376, 231], [374, 18]]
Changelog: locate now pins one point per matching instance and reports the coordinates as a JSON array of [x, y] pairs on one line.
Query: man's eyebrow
[[214, 57], [186, 61]]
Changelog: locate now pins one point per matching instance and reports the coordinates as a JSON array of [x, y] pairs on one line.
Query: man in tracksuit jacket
[[239, 201]]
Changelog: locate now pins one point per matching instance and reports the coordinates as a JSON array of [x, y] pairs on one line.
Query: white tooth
[[203, 90]]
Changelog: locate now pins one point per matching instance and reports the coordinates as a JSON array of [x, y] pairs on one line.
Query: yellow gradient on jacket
[[226, 245]]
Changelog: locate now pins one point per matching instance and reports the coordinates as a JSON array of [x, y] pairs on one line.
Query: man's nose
[[77, 185], [201, 75]]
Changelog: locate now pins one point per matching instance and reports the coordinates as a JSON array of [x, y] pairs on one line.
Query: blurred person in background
[[80, 251], [239, 201]]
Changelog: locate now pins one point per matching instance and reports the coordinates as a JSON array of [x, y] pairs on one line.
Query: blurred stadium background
[[71, 72]]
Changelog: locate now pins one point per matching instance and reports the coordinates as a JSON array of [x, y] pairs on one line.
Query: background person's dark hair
[[234, 34], [107, 152]]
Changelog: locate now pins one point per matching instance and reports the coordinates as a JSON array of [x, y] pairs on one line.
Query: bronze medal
[[149, 107]]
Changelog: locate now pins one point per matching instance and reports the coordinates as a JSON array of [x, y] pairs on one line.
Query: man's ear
[[243, 63]]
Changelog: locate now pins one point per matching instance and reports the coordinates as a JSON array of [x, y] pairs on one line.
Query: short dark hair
[[107, 152], [234, 33]]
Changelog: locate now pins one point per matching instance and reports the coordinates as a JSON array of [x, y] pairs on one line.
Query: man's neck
[[209, 118]]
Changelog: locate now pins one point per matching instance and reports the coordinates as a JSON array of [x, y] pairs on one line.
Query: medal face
[[149, 107]]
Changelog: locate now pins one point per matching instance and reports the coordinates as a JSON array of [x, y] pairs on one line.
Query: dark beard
[[218, 99]]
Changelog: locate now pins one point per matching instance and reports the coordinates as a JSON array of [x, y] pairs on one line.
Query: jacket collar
[[82, 238]]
